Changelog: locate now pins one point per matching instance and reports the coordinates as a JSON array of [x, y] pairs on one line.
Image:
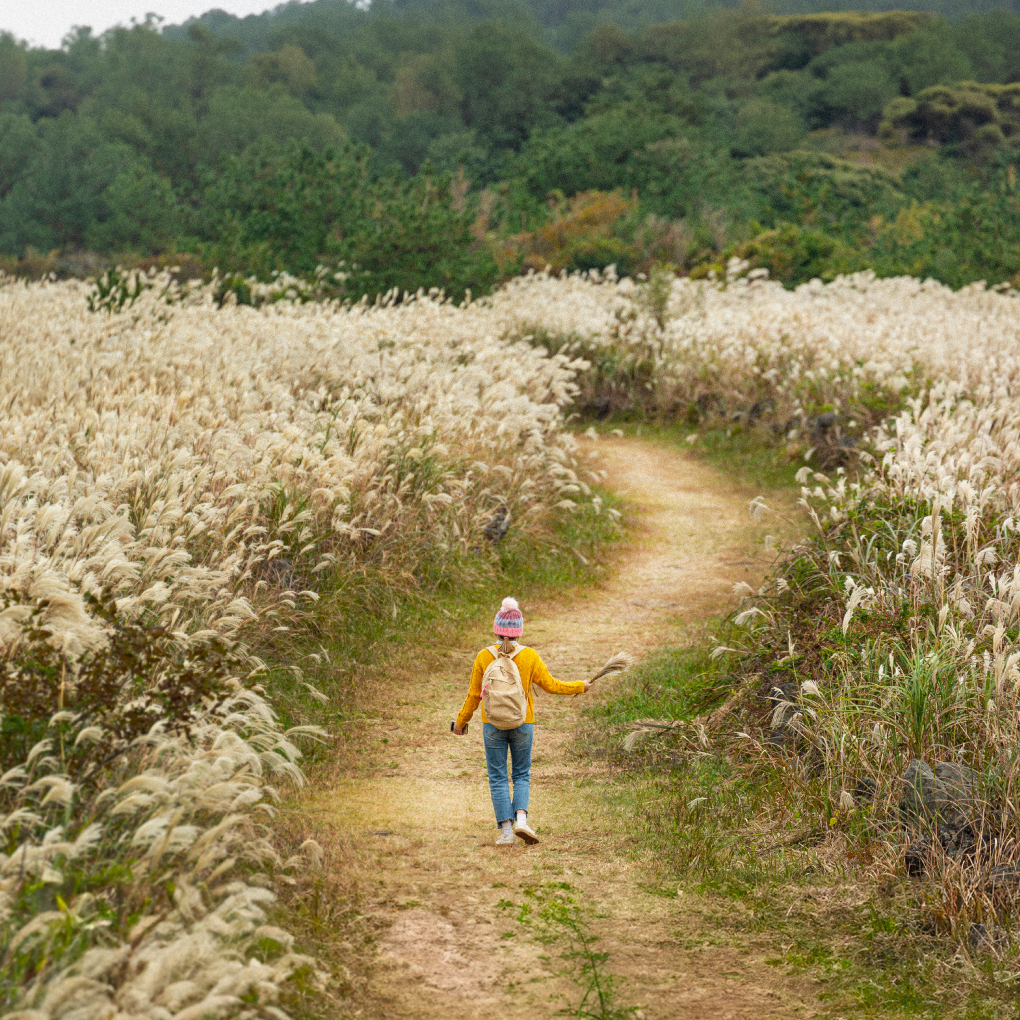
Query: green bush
[[294, 208], [820, 191], [975, 237], [791, 254], [975, 116]]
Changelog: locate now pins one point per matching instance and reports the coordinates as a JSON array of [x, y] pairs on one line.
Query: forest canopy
[[449, 143]]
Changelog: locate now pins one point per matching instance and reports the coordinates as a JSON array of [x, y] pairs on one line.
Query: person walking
[[502, 679]]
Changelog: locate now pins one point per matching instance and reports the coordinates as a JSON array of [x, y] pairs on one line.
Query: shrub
[[295, 209], [790, 253], [583, 232], [973, 115], [141, 676]]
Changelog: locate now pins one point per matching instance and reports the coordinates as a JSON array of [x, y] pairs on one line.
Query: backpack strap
[[494, 651]]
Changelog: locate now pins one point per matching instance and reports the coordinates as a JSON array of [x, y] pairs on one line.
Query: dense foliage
[[418, 144]]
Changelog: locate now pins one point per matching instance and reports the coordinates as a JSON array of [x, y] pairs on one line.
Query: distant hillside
[[449, 143], [562, 23]]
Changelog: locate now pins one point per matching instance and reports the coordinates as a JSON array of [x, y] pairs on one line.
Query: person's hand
[[458, 730], [587, 685]]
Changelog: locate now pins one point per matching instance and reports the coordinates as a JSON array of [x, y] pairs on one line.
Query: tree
[[854, 94], [929, 57], [764, 127], [19, 144], [13, 69], [293, 208], [506, 81], [137, 211], [64, 191]]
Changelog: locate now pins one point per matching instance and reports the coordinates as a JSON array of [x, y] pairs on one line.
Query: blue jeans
[[518, 743]]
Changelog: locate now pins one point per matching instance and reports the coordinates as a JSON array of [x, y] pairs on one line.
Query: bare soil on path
[[414, 812]]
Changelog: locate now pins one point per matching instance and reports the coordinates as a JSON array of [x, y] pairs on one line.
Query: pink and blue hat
[[509, 620]]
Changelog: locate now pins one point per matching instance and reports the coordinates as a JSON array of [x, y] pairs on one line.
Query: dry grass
[[225, 472]]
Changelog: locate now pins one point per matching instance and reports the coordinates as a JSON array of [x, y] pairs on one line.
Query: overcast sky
[[46, 22]]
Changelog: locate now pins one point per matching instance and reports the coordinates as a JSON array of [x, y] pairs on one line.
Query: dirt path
[[419, 823]]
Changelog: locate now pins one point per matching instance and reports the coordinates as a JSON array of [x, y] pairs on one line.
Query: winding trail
[[415, 814]]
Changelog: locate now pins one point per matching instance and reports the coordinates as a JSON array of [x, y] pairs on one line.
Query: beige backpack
[[503, 697]]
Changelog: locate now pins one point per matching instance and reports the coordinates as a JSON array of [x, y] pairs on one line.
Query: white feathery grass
[[206, 467], [214, 469]]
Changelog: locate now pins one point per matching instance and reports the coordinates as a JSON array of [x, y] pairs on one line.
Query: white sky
[[46, 22]]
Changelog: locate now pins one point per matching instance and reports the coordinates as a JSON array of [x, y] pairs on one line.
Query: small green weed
[[554, 917]]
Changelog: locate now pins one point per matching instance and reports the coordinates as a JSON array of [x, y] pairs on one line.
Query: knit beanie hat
[[509, 620]]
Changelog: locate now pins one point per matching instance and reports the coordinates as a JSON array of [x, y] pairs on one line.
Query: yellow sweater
[[533, 671]]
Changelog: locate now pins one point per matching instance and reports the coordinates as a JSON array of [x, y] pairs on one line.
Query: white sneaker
[[505, 838], [525, 831]]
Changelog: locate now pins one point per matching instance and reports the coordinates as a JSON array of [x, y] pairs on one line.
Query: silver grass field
[[212, 473]]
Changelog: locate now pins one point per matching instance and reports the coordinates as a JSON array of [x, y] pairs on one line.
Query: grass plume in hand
[[614, 664]]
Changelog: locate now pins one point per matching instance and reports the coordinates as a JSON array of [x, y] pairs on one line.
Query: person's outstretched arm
[[548, 682], [474, 696]]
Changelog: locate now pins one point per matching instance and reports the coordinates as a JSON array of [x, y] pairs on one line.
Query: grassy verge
[[756, 871]]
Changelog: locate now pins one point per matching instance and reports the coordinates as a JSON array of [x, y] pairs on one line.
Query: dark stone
[[980, 939], [705, 405], [917, 803], [760, 408], [950, 794], [784, 692], [498, 526], [958, 799], [781, 736], [832, 448], [946, 803], [823, 423], [957, 844], [865, 789], [918, 857]]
